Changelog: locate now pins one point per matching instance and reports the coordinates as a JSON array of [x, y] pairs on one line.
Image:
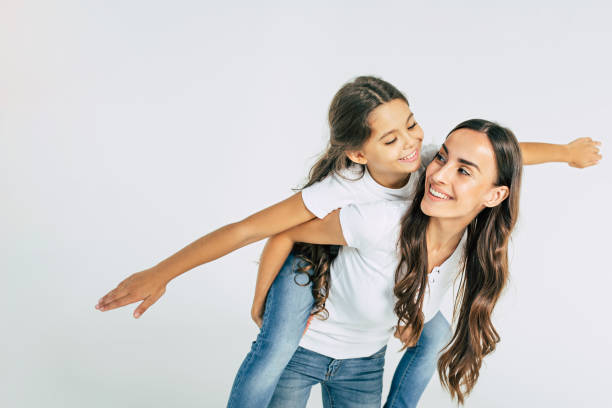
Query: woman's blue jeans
[[345, 383], [288, 306]]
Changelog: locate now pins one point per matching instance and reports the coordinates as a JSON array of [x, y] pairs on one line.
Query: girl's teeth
[[410, 156]]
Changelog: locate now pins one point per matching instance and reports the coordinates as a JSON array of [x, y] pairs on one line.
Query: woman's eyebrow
[[469, 163], [395, 130], [463, 161]]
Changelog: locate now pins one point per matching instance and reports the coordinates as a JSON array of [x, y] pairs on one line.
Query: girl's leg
[[288, 306], [418, 364], [354, 382]]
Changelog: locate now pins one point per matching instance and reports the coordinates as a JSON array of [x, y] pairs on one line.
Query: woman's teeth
[[437, 194]]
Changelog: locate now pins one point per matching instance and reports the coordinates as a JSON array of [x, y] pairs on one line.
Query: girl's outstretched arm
[[318, 231], [580, 153], [149, 285]]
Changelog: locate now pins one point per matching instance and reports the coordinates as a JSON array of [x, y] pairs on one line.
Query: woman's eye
[[464, 171], [412, 126], [391, 142], [438, 156]]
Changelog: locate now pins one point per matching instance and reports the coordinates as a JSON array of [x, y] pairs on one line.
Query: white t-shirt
[[337, 191], [361, 299]]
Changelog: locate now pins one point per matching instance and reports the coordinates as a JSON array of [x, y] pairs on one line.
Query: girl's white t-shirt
[[338, 191], [361, 300]]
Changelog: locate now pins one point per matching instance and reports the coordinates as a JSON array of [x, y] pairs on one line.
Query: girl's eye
[[438, 156], [464, 171], [391, 142], [412, 126]]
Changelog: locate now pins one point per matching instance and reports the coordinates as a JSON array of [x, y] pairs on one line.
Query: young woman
[[463, 212], [362, 143]]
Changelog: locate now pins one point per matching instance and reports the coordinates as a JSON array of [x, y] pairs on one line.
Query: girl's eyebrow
[[395, 130], [463, 161]]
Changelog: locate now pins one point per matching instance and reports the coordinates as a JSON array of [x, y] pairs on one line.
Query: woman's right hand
[[148, 285]]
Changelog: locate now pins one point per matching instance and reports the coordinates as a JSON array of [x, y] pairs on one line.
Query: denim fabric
[[288, 306], [350, 383], [418, 364]]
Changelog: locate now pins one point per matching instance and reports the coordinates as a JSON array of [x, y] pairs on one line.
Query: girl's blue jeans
[[288, 306]]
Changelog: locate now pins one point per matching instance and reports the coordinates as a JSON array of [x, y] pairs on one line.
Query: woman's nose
[[441, 176]]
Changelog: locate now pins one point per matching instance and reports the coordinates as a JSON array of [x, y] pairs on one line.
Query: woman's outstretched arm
[[149, 285], [325, 231], [580, 153]]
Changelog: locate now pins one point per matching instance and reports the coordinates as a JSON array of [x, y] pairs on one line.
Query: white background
[[130, 128]]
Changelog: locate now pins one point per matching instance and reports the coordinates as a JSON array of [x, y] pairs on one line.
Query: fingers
[[144, 306], [126, 300], [149, 300], [114, 294], [590, 163]]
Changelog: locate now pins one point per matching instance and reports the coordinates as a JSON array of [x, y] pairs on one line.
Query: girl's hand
[[148, 285], [403, 333], [257, 311], [583, 152]]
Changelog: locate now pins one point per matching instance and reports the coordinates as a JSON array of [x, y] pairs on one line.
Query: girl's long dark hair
[[485, 263], [349, 130]]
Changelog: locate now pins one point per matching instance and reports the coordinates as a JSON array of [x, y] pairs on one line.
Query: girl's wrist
[[164, 272]]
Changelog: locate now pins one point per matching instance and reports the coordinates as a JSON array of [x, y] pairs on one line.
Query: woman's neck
[[443, 235]]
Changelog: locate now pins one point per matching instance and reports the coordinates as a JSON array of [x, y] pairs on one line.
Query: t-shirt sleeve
[[371, 225], [328, 194]]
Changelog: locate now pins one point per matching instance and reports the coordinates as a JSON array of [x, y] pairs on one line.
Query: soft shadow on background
[[129, 129]]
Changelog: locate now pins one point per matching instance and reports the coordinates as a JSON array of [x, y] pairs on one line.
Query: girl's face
[[393, 149], [460, 181]]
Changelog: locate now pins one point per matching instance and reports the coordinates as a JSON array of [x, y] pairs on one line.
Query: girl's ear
[[496, 196], [356, 156]]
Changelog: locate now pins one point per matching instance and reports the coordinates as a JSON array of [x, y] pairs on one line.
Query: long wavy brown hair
[[349, 129], [485, 267]]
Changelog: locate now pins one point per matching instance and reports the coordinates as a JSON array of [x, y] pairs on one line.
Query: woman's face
[[460, 181], [394, 146]]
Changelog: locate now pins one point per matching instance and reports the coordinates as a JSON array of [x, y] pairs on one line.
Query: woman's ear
[[496, 196], [356, 156]]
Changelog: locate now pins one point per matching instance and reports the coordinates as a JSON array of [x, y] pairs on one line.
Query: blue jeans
[[351, 382], [287, 309], [288, 306], [418, 364]]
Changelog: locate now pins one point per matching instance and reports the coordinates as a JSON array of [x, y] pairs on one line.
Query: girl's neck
[[389, 180]]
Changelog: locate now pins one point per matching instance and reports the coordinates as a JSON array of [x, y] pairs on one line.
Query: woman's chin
[[426, 208]]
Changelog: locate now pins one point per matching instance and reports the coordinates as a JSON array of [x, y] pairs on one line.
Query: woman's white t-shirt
[[361, 299]]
